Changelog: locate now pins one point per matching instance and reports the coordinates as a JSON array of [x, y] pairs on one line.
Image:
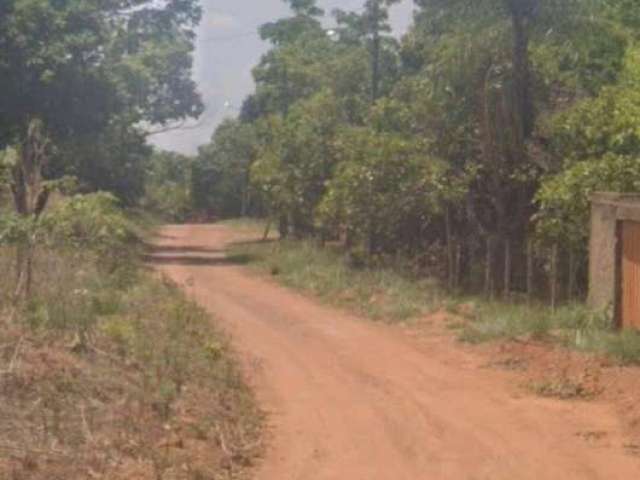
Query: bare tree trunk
[[243, 204], [520, 18], [507, 268], [554, 276], [24, 272], [371, 240], [529, 270], [267, 229], [30, 197], [450, 251], [488, 271], [375, 52], [458, 267], [572, 275], [283, 226]]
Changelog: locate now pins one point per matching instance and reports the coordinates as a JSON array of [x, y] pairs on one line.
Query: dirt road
[[352, 400]]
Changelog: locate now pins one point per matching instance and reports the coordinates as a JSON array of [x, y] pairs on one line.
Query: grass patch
[[391, 295], [493, 320], [108, 371], [381, 294], [574, 326]]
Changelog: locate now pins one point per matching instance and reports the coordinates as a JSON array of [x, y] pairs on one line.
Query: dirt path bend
[[352, 400]]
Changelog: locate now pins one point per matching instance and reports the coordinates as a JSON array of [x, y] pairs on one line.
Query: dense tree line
[[478, 135], [81, 86]]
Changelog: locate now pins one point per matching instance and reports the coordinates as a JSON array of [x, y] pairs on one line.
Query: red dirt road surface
[[351, 400]]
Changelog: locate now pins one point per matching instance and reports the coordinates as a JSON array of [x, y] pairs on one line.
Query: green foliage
[[298, 158], [382, 293], [100, 59], [128, 353], [168, 186], [383, 185], [573, 325], [220, 181], [92, 222], [564, 198], [90, 73], [599, 138], [485, 127]]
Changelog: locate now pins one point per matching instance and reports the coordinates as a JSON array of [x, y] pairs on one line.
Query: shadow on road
[[179, 249], [191, 258]]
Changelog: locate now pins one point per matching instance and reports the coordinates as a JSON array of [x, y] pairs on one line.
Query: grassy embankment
[[392, 295], [108, 371]]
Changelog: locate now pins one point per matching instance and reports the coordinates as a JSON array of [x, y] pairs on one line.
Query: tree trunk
[[554, 276], [30, 197], [458, 268], [267, 229], [24, 272], [529, 270], [521, 12], [572, 275], [375, 52], [507, 269], [372, 244], [450, 251], [488, 271], [283, 226]]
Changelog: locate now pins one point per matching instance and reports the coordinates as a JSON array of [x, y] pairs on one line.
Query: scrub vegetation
[[469, 145], [401, 174], [106, 369]]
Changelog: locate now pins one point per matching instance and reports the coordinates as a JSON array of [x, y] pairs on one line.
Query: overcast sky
[[228, 47]]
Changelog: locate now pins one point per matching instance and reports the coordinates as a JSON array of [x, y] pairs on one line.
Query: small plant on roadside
[[564, 389]]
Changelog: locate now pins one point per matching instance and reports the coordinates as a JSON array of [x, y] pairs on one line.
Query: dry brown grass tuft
[[118, 376]]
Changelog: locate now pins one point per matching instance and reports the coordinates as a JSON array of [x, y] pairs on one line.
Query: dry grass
[[379, 293], [116, 375], [574, 326]]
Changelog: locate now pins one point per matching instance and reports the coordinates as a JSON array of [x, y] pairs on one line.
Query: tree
[[370, 28], [221, 184], [71, 69], [468, 138], [298, 158], [167, 188]]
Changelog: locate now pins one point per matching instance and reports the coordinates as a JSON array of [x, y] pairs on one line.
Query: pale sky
[[228, 47]]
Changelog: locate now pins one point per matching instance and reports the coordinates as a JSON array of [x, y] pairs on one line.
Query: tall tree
[[372, 28], [69, 70]]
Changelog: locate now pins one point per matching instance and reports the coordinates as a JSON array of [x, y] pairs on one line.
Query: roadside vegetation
[[393, 293], [454, 162], [573, 326], [384, 294], [107, 370], [469, 145]]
